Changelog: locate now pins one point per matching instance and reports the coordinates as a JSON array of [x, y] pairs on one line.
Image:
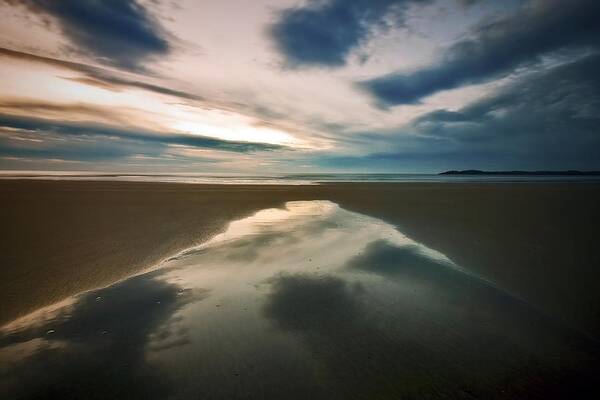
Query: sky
[[289, 86]]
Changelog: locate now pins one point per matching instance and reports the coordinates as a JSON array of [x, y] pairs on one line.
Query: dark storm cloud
[[97, 76], [325, 32], [496, 49], [42, 138], [556, 111], [544, 120], [117, 32]]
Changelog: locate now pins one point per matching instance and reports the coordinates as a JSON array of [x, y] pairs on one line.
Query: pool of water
[[310, 301]]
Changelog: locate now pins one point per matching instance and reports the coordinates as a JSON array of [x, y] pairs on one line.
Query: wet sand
[[536, 241]]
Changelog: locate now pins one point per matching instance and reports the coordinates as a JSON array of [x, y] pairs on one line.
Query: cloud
[[497, 49], [41, 109], [117, 32], [323, 33], [98, 76], [544, 120], [42, 138]]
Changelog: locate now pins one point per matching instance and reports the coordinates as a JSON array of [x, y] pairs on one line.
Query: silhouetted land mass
[[537, 173]]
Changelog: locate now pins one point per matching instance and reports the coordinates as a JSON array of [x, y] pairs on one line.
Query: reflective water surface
[[311, 301]]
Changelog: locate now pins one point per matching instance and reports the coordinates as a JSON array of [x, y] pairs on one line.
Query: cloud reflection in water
[[310, 301]]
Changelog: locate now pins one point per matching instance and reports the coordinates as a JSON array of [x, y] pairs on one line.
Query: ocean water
[[285, 179], [307, 302]]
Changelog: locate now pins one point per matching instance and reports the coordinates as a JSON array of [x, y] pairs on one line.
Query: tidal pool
[[310, 301]]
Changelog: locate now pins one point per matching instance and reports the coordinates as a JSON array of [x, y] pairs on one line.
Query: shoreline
[[308, 179], [533, 239]]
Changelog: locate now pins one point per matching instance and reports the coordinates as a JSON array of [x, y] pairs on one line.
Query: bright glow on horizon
[[235, 128]]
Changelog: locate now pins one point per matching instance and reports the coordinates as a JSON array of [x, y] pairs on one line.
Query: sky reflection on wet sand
[[310, 301]]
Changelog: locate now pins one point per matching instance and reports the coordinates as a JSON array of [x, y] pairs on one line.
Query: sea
[[286, 179]]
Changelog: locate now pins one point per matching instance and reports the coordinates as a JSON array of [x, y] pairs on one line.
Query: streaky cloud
[[111, 133], [40, 109], [496, 49], [98, 76]]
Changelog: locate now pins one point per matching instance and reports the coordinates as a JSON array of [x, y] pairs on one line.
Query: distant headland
[[549, 173]]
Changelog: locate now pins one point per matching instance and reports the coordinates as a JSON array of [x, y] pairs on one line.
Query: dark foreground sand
[[538, 241]]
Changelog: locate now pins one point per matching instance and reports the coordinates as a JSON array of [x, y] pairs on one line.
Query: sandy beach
[[536, 241]]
